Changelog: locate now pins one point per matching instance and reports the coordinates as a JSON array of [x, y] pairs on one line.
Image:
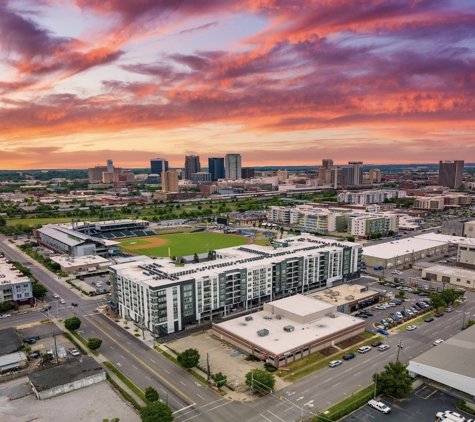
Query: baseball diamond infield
[[180, 244]]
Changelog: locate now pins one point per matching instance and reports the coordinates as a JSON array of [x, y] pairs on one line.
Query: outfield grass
[[182, 244], [35, 221]]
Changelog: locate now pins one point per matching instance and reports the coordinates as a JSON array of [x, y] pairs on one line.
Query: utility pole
[[464, 309], [375, 385], [398, 350], [208, 370]]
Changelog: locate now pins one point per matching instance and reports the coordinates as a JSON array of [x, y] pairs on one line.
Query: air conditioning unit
[[278, 317], [248, 318], [289, 328], [262, 333]]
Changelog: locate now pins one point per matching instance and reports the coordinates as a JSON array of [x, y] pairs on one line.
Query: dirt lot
[[92, 404], [222, 358], [328, 351], [351, 342]]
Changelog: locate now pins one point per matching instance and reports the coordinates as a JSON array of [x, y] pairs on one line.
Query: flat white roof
[[66, 261], [281, 342], [408, 245], [12, 275], [345, 293], [455, 271], [301, 305]]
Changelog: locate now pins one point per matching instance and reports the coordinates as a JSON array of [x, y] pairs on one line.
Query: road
[[192, 401]]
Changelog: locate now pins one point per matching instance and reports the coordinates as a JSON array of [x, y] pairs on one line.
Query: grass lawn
[[35, 221], [181, 244]]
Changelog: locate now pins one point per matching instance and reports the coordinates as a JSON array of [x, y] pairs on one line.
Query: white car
[[62, 301], [334, 363], [411, 327], [56, 296], [437, 342], [364, 349], [5, 316], [383, 347]]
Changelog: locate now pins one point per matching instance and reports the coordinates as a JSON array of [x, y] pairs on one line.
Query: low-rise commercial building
[[164, 297], [65, 378], [289, 329], [82, 265], [453, 275], [370, 196], [15, 360], [407, 250], [451, 363]]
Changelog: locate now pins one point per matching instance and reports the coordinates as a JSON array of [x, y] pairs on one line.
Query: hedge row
[[72, 340], [77, 287], [124, 393]]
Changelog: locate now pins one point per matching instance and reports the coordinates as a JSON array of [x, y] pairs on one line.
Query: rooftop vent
[[289, 328], [248, 318], [263, 332], [278, 317]]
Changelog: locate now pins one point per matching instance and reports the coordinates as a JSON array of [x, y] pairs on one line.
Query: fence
[[345, 410]]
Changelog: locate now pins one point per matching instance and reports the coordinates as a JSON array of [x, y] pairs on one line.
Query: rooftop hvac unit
[[262, 333], [332, 315], [350, 297], [278, 317], [248, 318], [289, 328]]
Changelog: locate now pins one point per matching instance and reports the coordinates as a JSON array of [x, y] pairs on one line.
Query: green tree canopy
[[260, 380], [94, 343], [39, 291], [151, 394], [469, 323], [189, 358], [451, 295], [395, 380], [437, 301], [5, 306], [350, 238], [72, 323], [156, 412]]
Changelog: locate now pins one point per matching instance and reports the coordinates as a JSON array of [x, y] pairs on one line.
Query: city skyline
[[282, 83]]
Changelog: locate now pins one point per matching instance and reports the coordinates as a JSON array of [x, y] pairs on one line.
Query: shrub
[[94, 343], [72, 323]]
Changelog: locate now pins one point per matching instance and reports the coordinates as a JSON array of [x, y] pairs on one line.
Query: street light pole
[[464, 308]]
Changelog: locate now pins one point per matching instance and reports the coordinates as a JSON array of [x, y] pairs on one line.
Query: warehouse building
[[65, 378], [289, 329], [451, 363], [407, 250], [453, 275], [164, 297]]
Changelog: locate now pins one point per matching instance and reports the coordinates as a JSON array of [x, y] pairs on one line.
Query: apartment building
[[370, 196], [364, 224], [14, 286], [165, 298]]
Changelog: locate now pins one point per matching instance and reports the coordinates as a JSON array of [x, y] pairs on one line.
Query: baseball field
[[180, 244]]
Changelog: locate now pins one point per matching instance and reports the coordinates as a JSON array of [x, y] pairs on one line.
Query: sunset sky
[[282, 82]]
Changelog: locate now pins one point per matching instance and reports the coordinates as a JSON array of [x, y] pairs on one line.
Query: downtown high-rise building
[[216, 168], [192, 165], [451, 173], [158, 166], [170, 181], [232, 165], [352, 174]]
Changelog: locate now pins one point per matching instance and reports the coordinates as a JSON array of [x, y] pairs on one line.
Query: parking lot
[[96, 283], [420, 406]]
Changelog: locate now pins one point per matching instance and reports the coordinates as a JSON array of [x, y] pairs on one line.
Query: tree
[[39, 291], [196, 258], [469, 323], [350, 238], [391, 233], [451, 295], [5, 306], [151, 394], [189, 358], [395, 380], [260, 380], [437, 301], [94, 343], [156, 412], [219, 379], [111, 420], [72, 323]]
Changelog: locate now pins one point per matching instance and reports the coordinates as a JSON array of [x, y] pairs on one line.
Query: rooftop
[[455, 271], [158, 272], [65, 261], [404, 246], [12, 358], [343, 294], [10, 275], [280, 341], [9, 341], [64, 374]]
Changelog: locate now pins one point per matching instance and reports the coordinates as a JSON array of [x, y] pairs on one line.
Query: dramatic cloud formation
[[280, 81]]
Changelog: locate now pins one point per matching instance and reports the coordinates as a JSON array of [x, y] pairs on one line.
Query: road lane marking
[[129, 343], [153, 361], [202, 398], [146, 366], [181, 382], [265, 417], [111, 347], [166, 371], [273, 414], [122, 356], [357, 374], [199, 414], [336, 384], [150, 379], [134, 366]]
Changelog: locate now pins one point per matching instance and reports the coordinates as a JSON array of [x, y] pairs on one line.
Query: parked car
[[378, 405], [349, 356], [411, 327], [368, 313], [30, 340], [74, 352], [384, 322], [384, 332], [439, 314], [334, 363], [56, 296], [5, 316], [364, 349], [448, 310], [437, 342], [429, 319], [377, 343], [383, 347]]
